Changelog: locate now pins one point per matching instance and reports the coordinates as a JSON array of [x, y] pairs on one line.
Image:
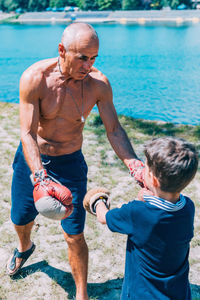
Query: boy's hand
[[136, 169], [93, 197]]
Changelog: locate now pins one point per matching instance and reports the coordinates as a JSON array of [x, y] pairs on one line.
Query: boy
[[160, 227]]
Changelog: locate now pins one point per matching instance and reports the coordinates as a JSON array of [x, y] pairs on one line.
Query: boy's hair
[[173, 162]]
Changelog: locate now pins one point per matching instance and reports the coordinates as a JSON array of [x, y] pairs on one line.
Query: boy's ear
[[155, 181]]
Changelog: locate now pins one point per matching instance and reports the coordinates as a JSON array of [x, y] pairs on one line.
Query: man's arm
[[115, 133], [47, 193], [29, 118]]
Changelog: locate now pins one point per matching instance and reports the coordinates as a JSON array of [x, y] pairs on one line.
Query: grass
[[9, 20], [47, 275]]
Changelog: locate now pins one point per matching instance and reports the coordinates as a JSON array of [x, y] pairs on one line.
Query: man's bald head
[[77, 32]]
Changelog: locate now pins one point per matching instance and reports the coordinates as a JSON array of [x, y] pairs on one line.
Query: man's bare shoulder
[[35, 73], [98, 75], [101, 84]]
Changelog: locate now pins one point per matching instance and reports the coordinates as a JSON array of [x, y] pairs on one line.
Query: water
[[154, 70]]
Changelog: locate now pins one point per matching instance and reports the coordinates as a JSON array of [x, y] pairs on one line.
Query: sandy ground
[[47, 274]]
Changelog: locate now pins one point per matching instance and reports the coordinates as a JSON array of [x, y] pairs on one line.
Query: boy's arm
[[101, 211], [97, 202]]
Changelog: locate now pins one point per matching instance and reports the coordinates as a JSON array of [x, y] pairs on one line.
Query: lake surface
[[154, 70]]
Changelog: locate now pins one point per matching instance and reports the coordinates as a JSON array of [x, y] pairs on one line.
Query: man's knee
[[24, 228], [76, 241]]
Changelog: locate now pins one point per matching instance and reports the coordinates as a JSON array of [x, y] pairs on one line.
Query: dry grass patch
[[47, 273]]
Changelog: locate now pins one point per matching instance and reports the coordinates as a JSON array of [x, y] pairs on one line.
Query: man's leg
[[78, 259], [24, 236]]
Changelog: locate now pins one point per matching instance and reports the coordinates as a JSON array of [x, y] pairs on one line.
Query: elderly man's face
[[81, 57]]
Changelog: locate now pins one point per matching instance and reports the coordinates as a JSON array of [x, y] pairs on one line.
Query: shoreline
[[146, 122], [110, 17]]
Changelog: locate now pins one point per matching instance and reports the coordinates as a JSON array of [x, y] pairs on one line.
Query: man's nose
[[87, 65]]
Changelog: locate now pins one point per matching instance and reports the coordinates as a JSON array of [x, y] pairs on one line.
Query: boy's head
[[172, 161]]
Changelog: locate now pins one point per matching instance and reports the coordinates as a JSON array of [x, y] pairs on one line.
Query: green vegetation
[[146, 129], [41, 5]]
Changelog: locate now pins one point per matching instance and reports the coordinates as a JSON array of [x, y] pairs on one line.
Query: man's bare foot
[[17, 260]]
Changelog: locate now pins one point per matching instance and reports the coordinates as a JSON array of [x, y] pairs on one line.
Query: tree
[[2, 6], [174, 4], [109, 4], [8, 5], [63, 3], [58, 3], [12, 5], [131, 4], [73, 3], [37, 5], [88, 4], [21, 3], [156, 4], [165, 3]]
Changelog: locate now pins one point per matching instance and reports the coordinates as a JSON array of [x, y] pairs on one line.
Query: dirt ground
[[47, 275]]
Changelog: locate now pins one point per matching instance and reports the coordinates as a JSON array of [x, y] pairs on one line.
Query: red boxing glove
[[52, 199], [136, 169]]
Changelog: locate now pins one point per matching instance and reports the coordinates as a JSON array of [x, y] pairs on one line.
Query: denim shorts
[[69, 169]]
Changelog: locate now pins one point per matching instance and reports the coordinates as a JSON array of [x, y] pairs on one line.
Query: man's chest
[[67, 103]]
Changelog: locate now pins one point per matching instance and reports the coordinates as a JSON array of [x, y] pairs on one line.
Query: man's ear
[[61, 50]]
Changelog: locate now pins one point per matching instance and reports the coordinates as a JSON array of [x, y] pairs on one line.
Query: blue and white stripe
[[164, 204]]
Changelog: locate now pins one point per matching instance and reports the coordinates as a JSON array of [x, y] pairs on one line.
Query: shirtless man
[[56, 96]]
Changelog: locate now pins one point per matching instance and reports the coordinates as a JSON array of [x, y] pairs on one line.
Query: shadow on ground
[[195, 291], [101, 291], [65, 280]]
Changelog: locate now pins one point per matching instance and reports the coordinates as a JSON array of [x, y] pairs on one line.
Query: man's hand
[[136, 169], [52, 199], [93, 197]]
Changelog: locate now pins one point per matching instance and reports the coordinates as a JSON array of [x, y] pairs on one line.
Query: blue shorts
[[70, 170]]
